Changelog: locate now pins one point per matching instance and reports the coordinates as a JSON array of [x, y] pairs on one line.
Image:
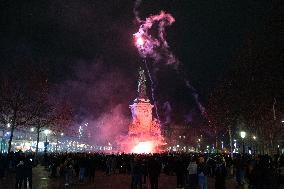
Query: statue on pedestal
[[142, 93]]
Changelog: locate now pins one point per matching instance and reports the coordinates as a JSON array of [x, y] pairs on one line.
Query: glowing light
[[148, 45], [8, 125], [140, 41], [143, 147], [46, 131], [144, 132], [7, 133], [243, 134], [32, 129]]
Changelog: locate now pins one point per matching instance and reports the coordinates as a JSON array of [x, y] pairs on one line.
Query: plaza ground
[[41, 180]]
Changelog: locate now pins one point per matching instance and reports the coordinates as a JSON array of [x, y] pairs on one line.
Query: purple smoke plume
[[158, 48], [149, 46]]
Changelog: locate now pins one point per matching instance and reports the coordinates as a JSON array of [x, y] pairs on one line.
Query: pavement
[[41, 180]]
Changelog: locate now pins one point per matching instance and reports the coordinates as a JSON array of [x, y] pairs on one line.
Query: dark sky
[[206, 36]]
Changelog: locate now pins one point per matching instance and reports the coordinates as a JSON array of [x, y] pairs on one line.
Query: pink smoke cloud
[[154, 47]]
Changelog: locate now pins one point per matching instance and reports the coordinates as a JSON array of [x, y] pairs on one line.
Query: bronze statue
[[142, 84]]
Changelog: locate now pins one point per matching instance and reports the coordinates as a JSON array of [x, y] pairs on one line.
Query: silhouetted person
[[180, 170], [136, 175], [145, 170], [28, 163], [220, 175], [154, 170], [91, 169], [2, 166], [192, 174], [20, 174], [202, 171]]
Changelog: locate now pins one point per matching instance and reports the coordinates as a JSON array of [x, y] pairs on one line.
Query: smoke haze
[[99, 97]]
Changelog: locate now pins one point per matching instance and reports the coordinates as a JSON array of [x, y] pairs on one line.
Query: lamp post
[[243, 135], [46, 132], [3, 140], [31, 137], [198, 144], [254, 141]]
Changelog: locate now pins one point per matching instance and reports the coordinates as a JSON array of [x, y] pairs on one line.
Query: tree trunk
[[11, 138], [230, 139], [56, 147], [13, 125], [37, 138], [2, 142]]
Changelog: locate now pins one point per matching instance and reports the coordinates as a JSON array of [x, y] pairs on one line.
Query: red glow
[[143, 147], [144, 132]]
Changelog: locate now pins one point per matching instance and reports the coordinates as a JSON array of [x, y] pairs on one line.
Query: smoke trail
[[193, 92], [149, 46], [135, 11], [196, 98], [167, 112], [152, 90], [158, 49]]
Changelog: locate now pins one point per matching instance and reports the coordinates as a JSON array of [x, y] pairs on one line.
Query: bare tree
[[15, 98]]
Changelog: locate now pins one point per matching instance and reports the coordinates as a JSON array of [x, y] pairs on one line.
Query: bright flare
[[140, 41], [143, 147]]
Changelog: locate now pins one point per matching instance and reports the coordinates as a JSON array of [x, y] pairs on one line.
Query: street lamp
[[198, 144], [243, 135], [46, 132]]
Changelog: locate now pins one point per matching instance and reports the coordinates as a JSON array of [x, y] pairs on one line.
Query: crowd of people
[[190, 170], [19, 163]]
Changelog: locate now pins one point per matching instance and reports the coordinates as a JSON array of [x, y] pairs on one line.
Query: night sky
[[74, 38]]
